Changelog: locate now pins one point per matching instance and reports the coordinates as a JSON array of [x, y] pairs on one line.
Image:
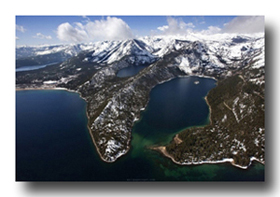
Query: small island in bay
[[235, 132]]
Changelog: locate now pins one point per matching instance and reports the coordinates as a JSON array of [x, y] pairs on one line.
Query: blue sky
[[34, 30]]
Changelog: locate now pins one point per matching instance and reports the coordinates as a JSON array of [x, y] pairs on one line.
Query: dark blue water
[[27, 68], [53, 143], [130, 71], [51, 135], [179, 103]]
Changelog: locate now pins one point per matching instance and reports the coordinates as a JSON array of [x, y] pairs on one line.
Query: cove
[[130, 71], [53, 142]]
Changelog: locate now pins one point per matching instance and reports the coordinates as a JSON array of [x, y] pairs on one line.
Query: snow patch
[[185, 66], [112, 146], [50, 82], [224, 118]]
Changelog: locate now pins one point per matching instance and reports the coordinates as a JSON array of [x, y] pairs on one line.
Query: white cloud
[[20, 28], [175, 27], [163, 28], [211, 30], [85, 19], [190, 25], [67, 32], [79, 25], [111, 28], [41, 36], [240, 24], [245, 24], [17, 38]]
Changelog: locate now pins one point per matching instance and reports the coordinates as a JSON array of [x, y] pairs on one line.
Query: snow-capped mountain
[[197, 50], [39, 55], [71, 49], [109, 52]]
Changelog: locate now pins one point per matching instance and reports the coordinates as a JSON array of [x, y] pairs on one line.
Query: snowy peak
[[211, 56], [109, 52]]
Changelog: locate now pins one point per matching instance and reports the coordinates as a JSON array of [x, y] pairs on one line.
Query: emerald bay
[[53, 142], [115, 99]]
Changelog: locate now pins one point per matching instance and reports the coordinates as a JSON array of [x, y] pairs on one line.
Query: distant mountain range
[[40, 55], [218, 53]]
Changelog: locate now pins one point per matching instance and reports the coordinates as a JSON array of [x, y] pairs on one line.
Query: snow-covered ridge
[[218, 49], [67, 49]]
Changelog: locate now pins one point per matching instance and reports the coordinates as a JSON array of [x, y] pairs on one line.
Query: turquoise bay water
[[53, 143]]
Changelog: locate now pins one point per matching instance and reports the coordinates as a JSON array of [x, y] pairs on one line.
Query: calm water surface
[[53, 143], [130, 71], [27, 68]]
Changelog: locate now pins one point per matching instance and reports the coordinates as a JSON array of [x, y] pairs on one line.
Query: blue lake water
[[130, 71], [53, 142], [27, 68]]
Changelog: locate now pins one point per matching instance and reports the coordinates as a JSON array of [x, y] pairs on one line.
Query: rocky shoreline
[[162, 149]]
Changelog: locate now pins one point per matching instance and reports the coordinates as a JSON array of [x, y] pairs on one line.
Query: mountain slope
[[35, 56]]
